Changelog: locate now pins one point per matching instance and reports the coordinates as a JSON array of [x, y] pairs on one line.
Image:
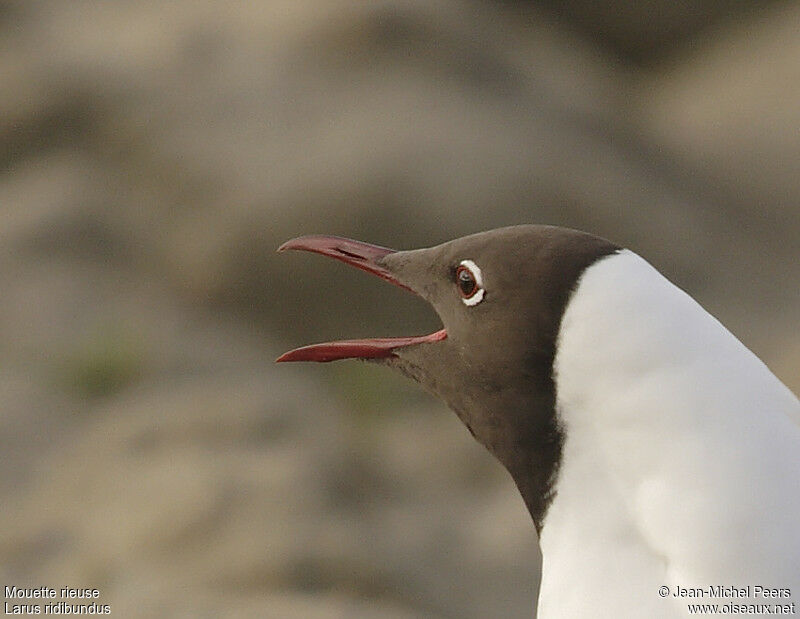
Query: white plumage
[[681, 456]]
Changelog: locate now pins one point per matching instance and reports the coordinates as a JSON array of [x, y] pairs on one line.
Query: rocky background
[[152, 157]]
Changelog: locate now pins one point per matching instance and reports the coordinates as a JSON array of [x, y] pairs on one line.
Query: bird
[[658, 457]]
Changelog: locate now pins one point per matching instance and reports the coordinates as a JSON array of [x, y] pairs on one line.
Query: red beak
[[362, 256]]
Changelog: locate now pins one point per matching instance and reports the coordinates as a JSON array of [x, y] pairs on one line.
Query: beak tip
[[284, 246]]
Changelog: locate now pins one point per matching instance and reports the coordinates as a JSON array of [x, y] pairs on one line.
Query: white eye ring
[[477, 296]]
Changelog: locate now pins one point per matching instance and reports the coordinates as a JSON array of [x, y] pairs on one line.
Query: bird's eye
[[470, 282], [466, 282]]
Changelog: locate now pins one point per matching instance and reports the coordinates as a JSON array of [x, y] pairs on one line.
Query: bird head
[[500, 296]]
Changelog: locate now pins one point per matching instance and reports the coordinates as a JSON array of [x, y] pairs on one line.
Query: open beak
[[368, 258]]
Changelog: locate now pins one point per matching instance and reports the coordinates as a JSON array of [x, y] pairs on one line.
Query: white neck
[[681, 456]]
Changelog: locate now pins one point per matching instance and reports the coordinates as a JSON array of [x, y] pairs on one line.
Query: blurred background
[[152, 157]]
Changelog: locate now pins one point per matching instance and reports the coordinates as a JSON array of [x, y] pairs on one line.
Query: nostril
[[349, 254]]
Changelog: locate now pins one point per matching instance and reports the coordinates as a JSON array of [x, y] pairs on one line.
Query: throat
[[534, 465], [519, 427], [527, 439]]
